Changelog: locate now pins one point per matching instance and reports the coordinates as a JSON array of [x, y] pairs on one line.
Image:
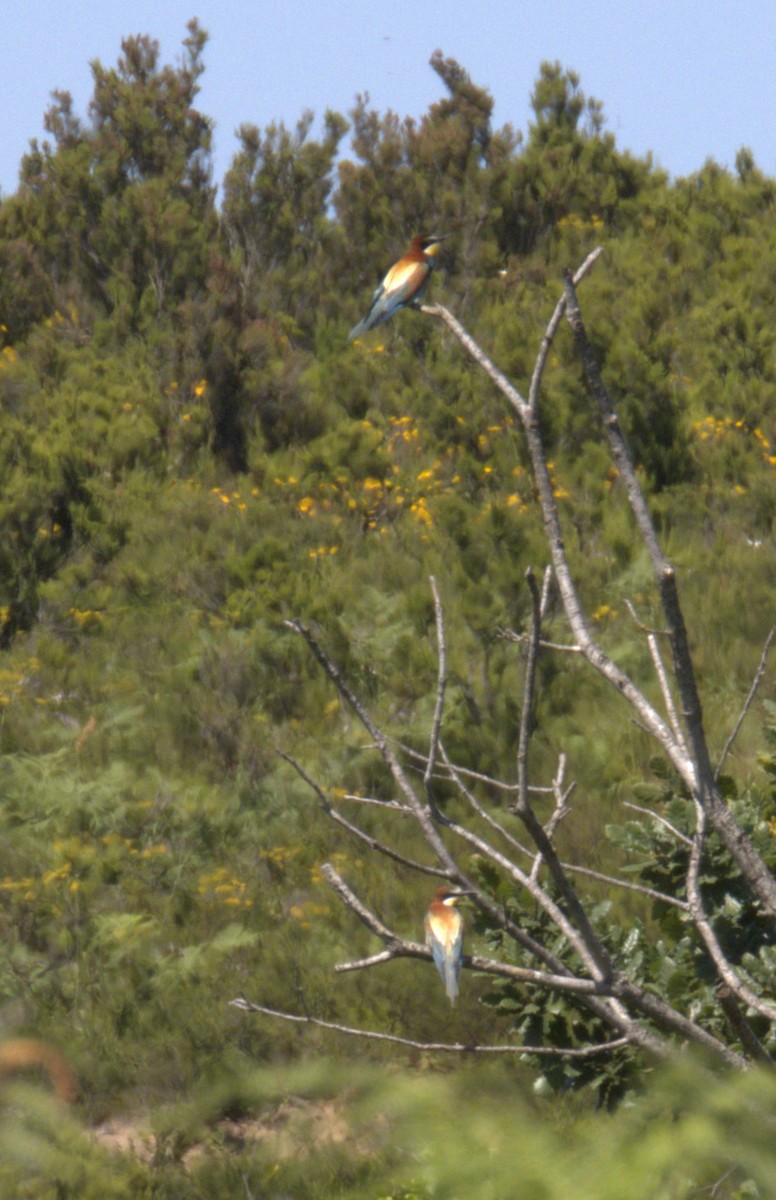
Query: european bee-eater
[[444, 936], [403, 284]]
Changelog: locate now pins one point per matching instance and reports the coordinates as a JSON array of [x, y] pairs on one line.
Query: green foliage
[[190, 454], [360, 1132]]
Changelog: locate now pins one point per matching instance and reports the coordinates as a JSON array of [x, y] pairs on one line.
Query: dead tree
[[633, 1015]]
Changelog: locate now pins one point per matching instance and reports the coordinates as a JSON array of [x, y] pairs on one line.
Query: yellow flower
[[59, 873]]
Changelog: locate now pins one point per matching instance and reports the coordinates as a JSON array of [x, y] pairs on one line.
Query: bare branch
[[658, 1010], [595, 655], [560, 811], [383, 745], [443, 1047], [615, 881], [361, 964], [466, 772], [758, 678], [662, 675], [611, 880], [586, 941], [647, 812], [665, 688], [351, 900], [394, 805], [744, 1031], [552, 329], [455, 774], [397, 947], [695, 769], [509, 635], [371, 841], [440, 696], [526, 715], [480, 357], [724, 968]]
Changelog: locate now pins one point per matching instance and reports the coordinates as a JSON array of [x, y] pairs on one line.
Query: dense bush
[[190, 453]]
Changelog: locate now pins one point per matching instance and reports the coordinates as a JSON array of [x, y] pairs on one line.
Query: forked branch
[[582, 963]]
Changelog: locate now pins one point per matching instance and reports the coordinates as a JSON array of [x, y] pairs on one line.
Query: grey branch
[[758, 678], [725, 970], [398, 947], [356, 831], [436, 726], [647, 812], [695, 768], [631, 1011], [440, 1047], [662, 675], [552, 329]]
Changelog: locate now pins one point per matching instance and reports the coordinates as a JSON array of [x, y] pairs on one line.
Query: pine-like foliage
[[191, 454]]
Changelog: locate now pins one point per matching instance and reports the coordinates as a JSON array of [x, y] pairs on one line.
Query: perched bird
[[444, 936], [403, 284]]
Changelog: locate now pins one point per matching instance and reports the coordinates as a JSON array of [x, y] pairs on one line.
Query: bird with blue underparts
[[404, 284], [444, 936]]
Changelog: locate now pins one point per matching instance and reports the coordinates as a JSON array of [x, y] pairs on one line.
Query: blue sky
[[686, 80]]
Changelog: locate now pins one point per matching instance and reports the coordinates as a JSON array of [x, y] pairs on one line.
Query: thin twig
[[662, 675], [509, 635], [615, 881], [454, 773], [384, 747], [372, 842], [440, 697], [526, 715], [394, 805], [552, 329], [559, 812], [611, 880], [647, 812], [443, 1047], [758, 677], [479, 776], [665, 688]]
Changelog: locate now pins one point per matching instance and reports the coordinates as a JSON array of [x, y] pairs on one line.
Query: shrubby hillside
[[191, 454]]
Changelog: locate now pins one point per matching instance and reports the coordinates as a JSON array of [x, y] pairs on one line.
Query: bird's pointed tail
[[451, 981], [357, 330]]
